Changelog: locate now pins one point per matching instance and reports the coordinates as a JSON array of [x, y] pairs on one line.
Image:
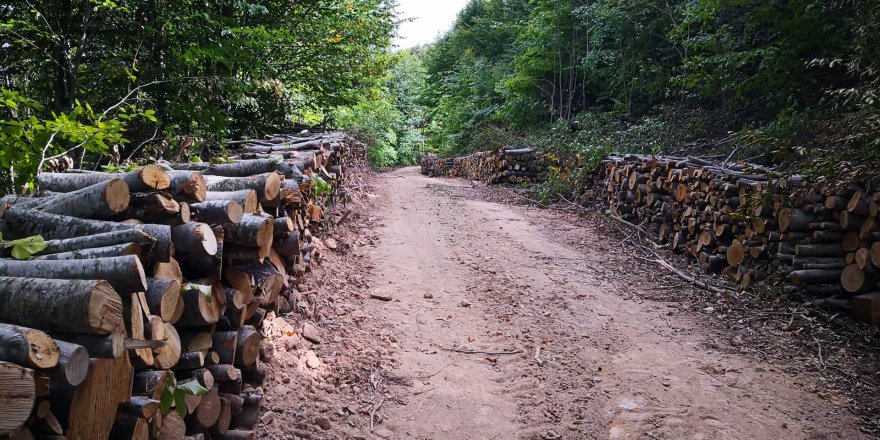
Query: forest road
[[592, 360]]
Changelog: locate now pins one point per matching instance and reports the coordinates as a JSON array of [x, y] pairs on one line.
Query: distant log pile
[[506, 166], [153, 282], [754, 225]]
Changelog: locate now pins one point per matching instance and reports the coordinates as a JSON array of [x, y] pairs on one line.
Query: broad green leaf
[[26, 247]]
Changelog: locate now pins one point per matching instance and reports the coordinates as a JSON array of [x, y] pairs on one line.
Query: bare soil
[[507, 322]]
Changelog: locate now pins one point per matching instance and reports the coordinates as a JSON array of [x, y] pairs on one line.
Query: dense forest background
[[791, 82], [92, 83], [101, 83]]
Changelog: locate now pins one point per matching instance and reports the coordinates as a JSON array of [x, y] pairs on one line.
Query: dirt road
[[592, 359]]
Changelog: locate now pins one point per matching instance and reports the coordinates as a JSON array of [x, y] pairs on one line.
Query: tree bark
[[101, 200], [247, 198], [125, 274], [218, 211], [145, 179], [119, 250], [162, 296], [98, 241], [27, 347], [267, 186], [52, 226], [63, 305]]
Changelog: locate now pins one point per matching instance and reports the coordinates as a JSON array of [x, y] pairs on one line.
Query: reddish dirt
[[505, 322]]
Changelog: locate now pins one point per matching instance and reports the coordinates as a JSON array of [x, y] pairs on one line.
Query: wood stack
[[755, 226], [154, 281], [506, 166]]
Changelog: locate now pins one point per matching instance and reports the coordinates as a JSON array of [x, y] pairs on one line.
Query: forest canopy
[[83, 79], [772, 81]]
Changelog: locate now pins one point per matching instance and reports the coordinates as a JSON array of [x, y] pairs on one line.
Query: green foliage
[[774, 81], [104, 79], [174, 394], [390, 121], [24, 248], [321, 187]]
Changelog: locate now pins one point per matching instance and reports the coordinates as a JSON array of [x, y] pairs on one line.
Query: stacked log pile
[[506, 166], [755, 226], [153, 282]]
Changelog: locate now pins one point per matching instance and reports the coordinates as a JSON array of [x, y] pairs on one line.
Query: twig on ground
[[490, 353], [424, 391], [432, 375]]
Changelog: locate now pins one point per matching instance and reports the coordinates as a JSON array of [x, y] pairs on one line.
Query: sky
[[431, 18]]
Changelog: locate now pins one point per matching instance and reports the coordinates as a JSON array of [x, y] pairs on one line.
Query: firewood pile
[[142, 317], [506, 166], [755, 226]]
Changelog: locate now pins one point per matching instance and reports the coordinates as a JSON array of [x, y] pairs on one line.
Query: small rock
[[337, 339], [323, 423], [312, 360], [311, 333], [383, 296], [429, 295], [267, 418], [464, 303], [331, 244]]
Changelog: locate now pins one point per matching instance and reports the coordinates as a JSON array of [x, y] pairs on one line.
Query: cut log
[[146, 179], [201, 306], [218, 211], [162, 296], [173, 427], [224, 419], [169, 270], [73, 363], [130, 428], [248, 346], [252, 231], [101, 200], [813, 276], [150, 383], [866, 308], [248, 199], [188, 186], [76, 306], [193, 240], [208, 411], [17, 395], [168, 354], [125, 274], [225, 344], [27, 347], [95, 402], [225, 373], [267, 186], [52, 226], [103, 240], [191, 360], [110, 346], [154, 207], [853, 279], [119, 250]]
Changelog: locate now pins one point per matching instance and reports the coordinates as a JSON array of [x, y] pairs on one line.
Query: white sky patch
[[431, 18]]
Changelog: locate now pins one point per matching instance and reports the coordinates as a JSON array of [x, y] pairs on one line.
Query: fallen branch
[[490, 353], [691, 279]]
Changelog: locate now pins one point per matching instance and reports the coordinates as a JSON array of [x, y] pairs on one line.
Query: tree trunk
[[17, 395], [110, 346], [193, 241], [248, 346], [188, 186], [52, 226], [63, 305], [267, 186], [247, 198], [27, 347], [94, 404], [218, 211], [125, 274], [98, 241], [101, 200], [146, 179], [252, 231], [119, 250], [162, 296], [73, 363]]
